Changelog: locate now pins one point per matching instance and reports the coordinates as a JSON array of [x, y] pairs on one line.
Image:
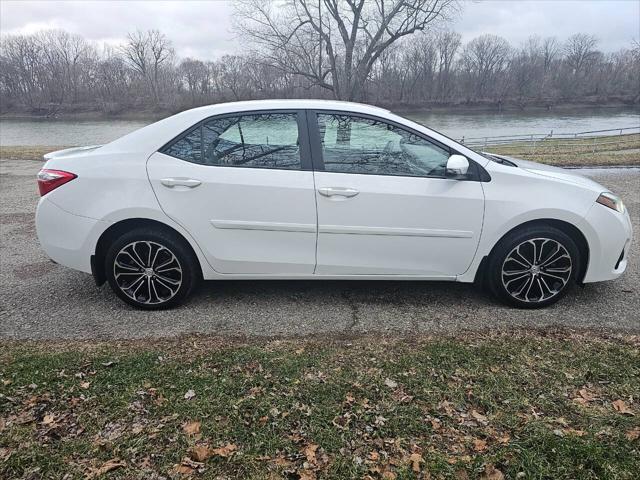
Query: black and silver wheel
[[151, 269], [534, 267]]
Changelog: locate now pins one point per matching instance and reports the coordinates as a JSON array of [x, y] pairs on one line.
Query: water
[[455, 125], [459, 125], [65, 132]]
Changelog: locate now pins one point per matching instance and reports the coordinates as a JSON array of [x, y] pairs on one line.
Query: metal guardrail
[[532, 138]]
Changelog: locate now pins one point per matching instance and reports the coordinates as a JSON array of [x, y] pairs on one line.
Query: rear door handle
[[180, 182], [338, 192]]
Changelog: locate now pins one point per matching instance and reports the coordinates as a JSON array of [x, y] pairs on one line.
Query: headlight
[[612, 201]]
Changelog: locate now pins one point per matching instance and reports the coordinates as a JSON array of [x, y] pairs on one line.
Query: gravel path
[[41, 300]]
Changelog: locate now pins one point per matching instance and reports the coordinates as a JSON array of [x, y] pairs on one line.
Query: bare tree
[[232, 70], [335, 43], [483, 59], [113, 81], [196, 76], [550, 51], [50, 72], [579, 51], [448, 43], [22, 71], [147, 53]]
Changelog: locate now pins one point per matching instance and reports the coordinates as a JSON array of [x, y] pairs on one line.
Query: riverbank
[[89, 112], [519, 404]]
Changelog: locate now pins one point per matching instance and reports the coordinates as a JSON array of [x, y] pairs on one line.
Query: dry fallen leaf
[[189, 395], [307, 475], [191, 428], [622, 407], [200, 453], [224, 451], [462, 474], [137, 428], [48, 419], [633, 434], [491, 473], [479, 445], [5, 453], [478, 416], [310, 452], [85, 385], [105, 468], [586, 395], [187, 466], [447, 406], [416, 460], [390, 383], [183, 469]]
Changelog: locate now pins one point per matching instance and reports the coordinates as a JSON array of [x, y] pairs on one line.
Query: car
[[318, 189]]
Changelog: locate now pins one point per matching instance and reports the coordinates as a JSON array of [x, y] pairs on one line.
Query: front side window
[[352, 144], [264, 140]]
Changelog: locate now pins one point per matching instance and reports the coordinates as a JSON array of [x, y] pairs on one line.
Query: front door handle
[[180, 182], [338, 192]]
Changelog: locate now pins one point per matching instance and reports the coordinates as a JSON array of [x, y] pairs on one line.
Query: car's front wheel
[[533, 267], [151, 269]]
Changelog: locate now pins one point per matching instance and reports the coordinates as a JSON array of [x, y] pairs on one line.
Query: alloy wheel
[[147, 272], [536, 270]]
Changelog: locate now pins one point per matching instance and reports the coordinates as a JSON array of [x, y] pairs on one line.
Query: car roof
[[152, 137], [294, 104]]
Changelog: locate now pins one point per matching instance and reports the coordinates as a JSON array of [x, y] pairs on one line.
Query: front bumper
[[609, 236], [66, 238]]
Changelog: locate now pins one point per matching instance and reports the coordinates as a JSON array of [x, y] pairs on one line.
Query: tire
[[151, 269], [533, 267]]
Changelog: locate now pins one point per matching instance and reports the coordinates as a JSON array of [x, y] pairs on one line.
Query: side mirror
[[457, 166]]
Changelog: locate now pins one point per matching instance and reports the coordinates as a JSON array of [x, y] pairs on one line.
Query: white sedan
[[312, 189]]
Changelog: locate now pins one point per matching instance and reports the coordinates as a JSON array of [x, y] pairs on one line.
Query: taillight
[[51, 179]]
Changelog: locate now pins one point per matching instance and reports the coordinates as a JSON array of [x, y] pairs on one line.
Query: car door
[[385, 206], [242, 185]]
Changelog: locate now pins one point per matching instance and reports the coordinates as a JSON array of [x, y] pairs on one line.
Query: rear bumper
[[609, 236], [66, 238]]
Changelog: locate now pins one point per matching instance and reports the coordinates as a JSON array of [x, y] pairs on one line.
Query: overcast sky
[[202, 29]]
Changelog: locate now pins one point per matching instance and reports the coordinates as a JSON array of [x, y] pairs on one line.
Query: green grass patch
[[521, 405]]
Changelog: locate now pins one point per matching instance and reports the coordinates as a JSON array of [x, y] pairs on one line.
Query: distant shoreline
[[479, 108]]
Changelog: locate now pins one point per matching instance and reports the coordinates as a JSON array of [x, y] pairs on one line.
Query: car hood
[[556, 173]]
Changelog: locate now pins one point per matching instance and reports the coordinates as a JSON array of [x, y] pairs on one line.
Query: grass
[[619, 150], [26, 152], [521, 405]]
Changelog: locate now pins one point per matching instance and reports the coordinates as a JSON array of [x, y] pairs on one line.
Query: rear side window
[[188, 148], [265, 140]]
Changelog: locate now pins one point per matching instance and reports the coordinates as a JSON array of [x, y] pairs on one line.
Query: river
[[456, 125]]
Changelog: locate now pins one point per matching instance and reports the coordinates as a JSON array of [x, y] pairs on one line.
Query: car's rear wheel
[[151, 269], [533, 267]]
